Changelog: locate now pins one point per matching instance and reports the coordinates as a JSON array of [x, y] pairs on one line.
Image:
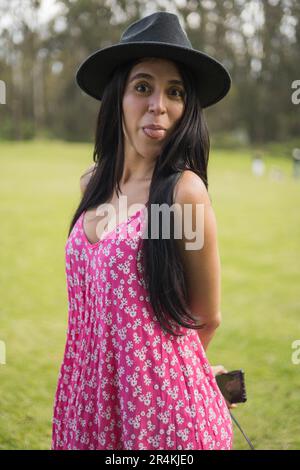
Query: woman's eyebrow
[[150, 77]]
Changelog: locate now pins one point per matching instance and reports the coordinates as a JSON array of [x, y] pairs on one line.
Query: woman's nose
[[157, 102]]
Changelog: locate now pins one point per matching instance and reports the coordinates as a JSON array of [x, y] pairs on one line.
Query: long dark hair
[[187, 148]]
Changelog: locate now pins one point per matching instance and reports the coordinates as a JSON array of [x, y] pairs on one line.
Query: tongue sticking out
[[154, 133]]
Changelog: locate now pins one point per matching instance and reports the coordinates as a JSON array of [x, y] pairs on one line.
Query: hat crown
[[161, 27]]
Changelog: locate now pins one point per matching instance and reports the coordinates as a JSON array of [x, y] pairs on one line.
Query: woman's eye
[[140, 85], [180, 92], [179, 95]]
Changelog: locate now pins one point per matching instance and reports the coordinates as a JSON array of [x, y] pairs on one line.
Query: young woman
[[142, 309]]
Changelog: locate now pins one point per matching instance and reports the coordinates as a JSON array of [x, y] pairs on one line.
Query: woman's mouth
[[154, 133]]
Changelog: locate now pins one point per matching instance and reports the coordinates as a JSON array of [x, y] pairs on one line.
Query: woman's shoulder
[[85, 177], [190, 188]]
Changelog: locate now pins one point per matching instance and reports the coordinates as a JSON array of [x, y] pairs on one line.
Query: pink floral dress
[[124, 383]]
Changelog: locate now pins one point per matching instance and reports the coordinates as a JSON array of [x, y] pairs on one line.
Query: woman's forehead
[[157, 64]]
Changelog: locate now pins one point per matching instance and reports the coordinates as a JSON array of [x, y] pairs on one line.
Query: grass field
[[259, 233]]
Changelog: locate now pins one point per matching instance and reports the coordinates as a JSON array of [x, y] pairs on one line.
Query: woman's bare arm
[[202, 265]]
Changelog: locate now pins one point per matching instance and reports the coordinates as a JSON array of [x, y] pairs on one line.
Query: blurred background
[[47, 128]]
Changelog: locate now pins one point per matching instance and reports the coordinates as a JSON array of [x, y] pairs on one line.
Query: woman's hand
[[221, 370]]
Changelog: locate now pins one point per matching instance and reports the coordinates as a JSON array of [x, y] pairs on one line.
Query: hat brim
[[94, 73]]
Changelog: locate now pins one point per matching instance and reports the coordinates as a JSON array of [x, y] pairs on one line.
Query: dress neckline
[[106, 234]]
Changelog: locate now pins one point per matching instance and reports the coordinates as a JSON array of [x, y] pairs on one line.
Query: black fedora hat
[[157, 35]]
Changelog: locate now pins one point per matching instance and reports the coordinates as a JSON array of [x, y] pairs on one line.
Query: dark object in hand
[[232, 386]]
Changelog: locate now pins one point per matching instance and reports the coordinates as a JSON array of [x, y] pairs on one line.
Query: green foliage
[[259, 231], [257, 41], [233, 141]]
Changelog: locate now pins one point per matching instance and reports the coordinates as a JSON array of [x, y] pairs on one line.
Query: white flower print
[[179, 418], [114, 330], [179, 405], [122, 333], [145, 312], [193, 411], [173, 374], [132, 244], [137, 322], [174, 360], [108, 319], [113, 275], [122, 304], [215, 429], [107, 413], [129, 362], [184, 434], [125, 267], [156, 340], [141, 353], [164, 417], [149, 328], [119, 253], [146, 399], [129, 346], [132, 292], [136, 338], [119, 291], [160, 403], [170, 443], [137, 390], [150, 412], [112, 261], [150, 426], [147, 379], [132, 310], [135, 422], [132, 379], [173, 392], [131, 278], [166, 384], [212, 415], [168, 347], [124, 383], [106, 396], [147, 364], [188, 370], [131, 406], [154, 440], [121, 371], [142, 434], [160, 370], [108, 287]]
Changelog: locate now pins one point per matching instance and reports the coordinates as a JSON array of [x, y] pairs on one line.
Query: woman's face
[[154, 94]]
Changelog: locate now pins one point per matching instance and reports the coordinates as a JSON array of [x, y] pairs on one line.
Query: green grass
[[259, 232]]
